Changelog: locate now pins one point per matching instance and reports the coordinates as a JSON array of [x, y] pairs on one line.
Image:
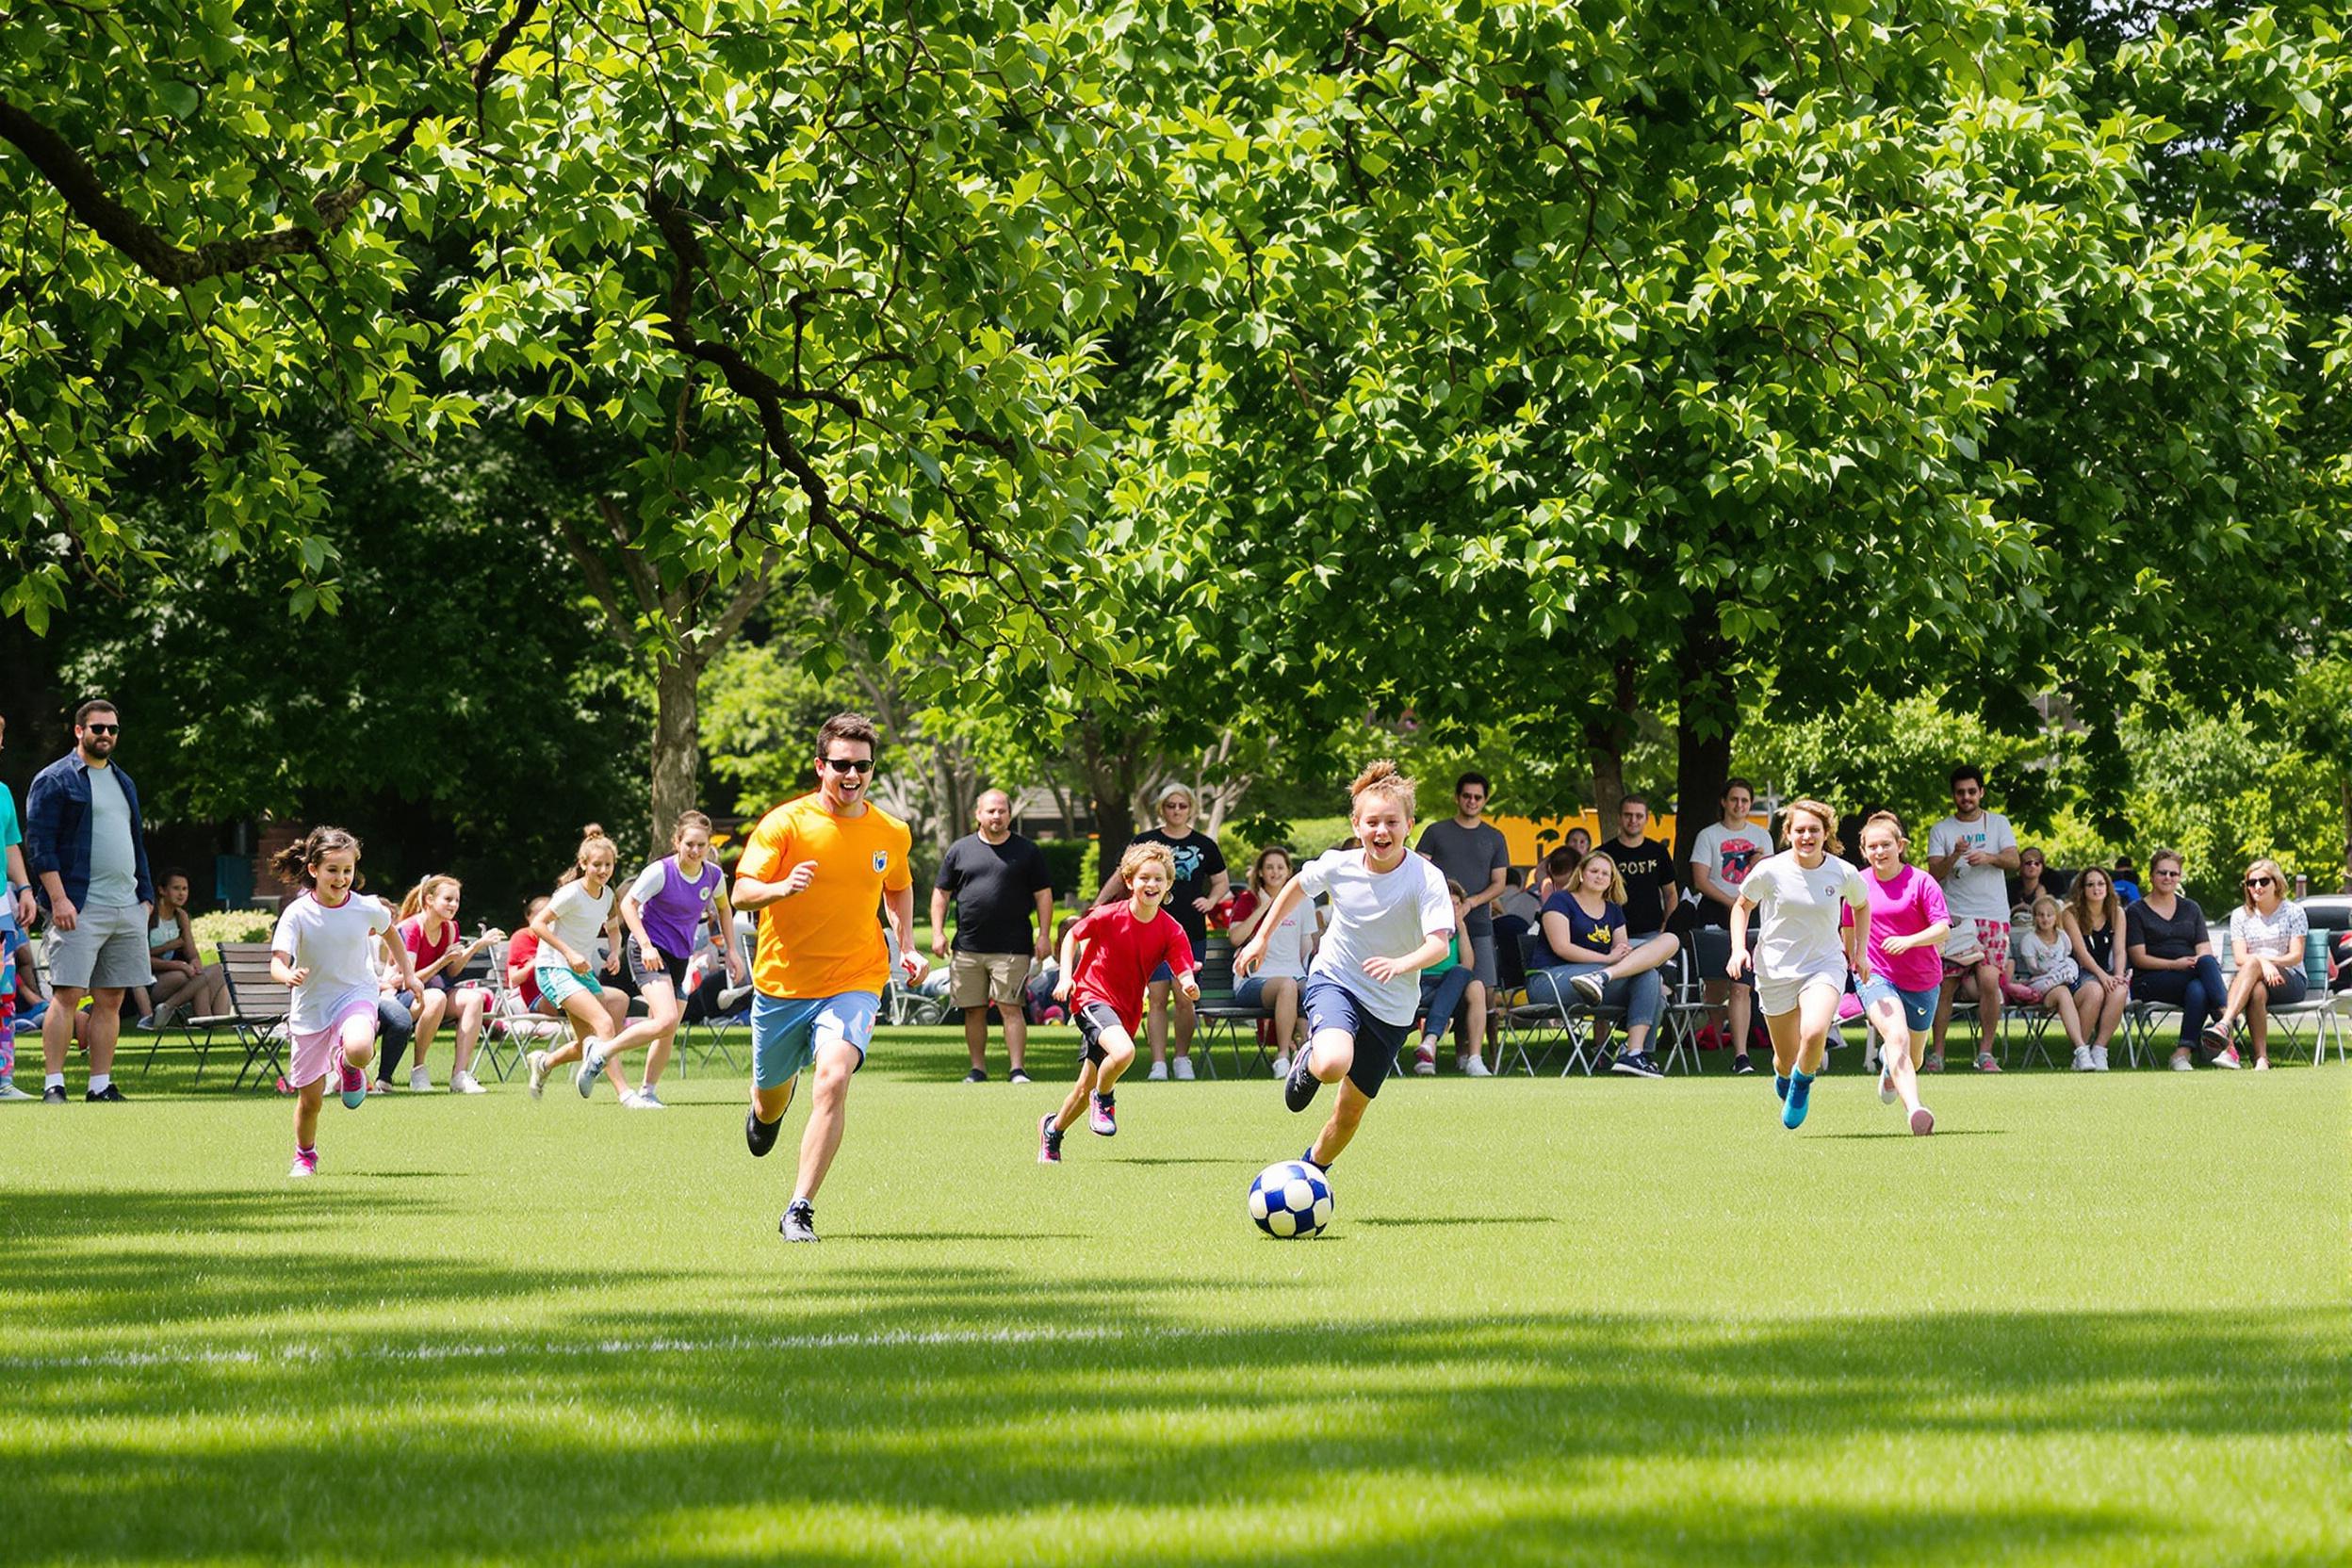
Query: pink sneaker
[[305, 1165], [2227, 1057], [1985, 1063], [354, 1087]]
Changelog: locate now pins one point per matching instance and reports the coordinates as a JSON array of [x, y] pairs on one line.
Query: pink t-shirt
[[1905, 906]]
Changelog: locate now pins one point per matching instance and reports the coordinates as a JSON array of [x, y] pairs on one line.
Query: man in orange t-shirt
[[815, 870]]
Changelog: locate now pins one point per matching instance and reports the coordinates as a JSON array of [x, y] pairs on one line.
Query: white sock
[[54, 1080], [98, 1081]]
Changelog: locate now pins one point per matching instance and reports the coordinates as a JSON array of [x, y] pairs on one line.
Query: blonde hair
[[1831, 843], [591, 837], [425, 890], [2277, 879], [2078, 901], [1616, 881], [1140, 855], [2051, 902], [1381, 779]]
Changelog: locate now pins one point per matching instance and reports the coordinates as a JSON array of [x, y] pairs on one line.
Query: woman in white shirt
[[1801, 954], [2268, 933]]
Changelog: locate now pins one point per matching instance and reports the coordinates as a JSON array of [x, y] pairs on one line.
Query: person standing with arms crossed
[[1968, 853], [87, 849], [815, 870], [999, 880]]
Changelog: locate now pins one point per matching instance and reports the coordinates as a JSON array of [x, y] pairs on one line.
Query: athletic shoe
[[1985, 1062], [1299, 1087], [1922, 1121], [148, 1021], [2099, 1058], [1474, 1066], [732, 997], [110, 1095], [1741, 1067], [354, 1087], [419, 1081], [1800, 1101], [1887, 1095], [759, 1136], [2261, 1064], [1591, 987], [1158, 1073], [462, 1083], [1017, 1077], [2181, 1064], [2227, 1057], [977, 1075], [1182, 1068], [2081, 1058], [590, 1067], [305, 1165], [1281, 1065], [1934, 1062], [538, 1073], [1048, 1141], [52, 1095], [1636, 1064], [1425, 1061], [10, 1091], [800, 1221], [1103, 1118], [643, 1100], [2216, 1039]]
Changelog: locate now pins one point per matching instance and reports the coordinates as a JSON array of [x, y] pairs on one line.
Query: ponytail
[[294, 863], [591, 837]]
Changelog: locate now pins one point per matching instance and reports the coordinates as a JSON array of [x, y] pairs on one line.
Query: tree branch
[[617, 623]]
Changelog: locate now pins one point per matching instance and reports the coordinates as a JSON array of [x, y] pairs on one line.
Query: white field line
[[499, 1349]]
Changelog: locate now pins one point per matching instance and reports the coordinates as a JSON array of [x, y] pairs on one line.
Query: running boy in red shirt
[[1122, 943]]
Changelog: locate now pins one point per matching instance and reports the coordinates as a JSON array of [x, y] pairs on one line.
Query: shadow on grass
[[896, 1411], [1461, 1219]]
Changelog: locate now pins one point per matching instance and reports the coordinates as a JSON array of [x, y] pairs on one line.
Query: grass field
[[2092, 1320]]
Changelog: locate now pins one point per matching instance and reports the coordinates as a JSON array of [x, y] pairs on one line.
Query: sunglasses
[[104, 728], [849, 764], [2262, 882]]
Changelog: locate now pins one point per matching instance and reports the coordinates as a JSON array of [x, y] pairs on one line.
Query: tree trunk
[[1606, 738], [1707, 717], [676, 743], [1109, 797]]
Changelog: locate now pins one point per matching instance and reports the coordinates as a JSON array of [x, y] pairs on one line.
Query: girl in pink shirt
[[1908, 925]]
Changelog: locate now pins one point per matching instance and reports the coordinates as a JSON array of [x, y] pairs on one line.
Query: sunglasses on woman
[[2260, 882]]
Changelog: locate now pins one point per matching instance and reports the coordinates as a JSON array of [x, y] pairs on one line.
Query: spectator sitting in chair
[[1445, 985], [185, 985], [2094, 926], [2172, 958], [1273, 986], [1584, 955], [2269, 931], [2035, 876], [2041, 971]]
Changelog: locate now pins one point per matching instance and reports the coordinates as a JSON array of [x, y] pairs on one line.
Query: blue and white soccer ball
[[1291, 1200]]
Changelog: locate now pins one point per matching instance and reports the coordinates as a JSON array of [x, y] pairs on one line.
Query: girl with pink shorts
[[320, 948]]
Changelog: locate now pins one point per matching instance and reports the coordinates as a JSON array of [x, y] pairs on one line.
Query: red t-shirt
[[524, 952], [1121, 953], [419, 951]]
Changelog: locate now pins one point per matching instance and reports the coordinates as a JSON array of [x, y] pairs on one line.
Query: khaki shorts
[[975, 979]]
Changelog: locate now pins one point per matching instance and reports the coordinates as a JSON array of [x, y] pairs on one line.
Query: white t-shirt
[[1286, 944], [2269, 936], [579, 919], [336, 945], [1730, 853], [1973, 892], [1376, 915], [1801, 912]]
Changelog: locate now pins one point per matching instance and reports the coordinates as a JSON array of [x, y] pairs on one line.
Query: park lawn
[[2093, 1320]]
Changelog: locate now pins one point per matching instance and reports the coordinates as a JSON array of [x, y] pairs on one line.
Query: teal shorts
[[786, 1031], [557, 981]]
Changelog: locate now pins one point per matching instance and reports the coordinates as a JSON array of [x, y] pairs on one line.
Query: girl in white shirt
[[582, 909], [1275, 986], [1801, 956]]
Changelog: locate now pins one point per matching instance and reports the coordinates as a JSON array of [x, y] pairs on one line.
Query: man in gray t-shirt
[[1474, 853], [88, 855]]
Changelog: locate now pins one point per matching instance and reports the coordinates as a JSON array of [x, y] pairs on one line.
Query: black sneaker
[[1741, 1067], [1019, 1077], [107, 1096], [800, 1221], [52, 1095], [757, 1135], [977, 1075], [1299, 1088], [1637, 1066]]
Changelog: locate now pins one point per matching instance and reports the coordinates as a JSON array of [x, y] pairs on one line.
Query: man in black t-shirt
[[999, 881], [1201, 886], [1648, 870]]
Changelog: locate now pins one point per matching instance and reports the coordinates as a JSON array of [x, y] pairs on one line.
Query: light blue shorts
[[557, 981], [786, 1031], [1918, 1007]]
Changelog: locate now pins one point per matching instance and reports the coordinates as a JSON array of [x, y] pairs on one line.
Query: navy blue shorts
[[1333, 1005]]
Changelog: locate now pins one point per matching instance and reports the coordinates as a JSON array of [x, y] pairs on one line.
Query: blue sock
[[1780, 1088], [1308, 1158]]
